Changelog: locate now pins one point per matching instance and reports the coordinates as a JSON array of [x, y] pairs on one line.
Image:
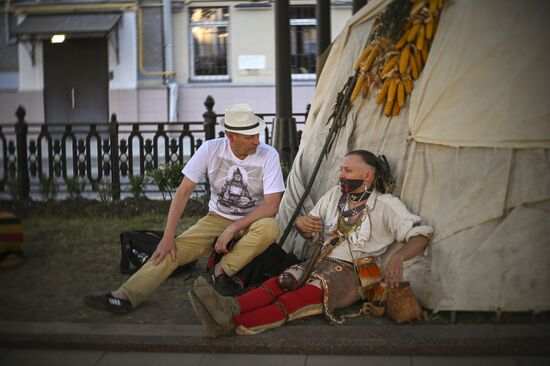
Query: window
[[209, 31], [303, 42]]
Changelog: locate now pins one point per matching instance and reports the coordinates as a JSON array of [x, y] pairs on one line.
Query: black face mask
[[350, 185]]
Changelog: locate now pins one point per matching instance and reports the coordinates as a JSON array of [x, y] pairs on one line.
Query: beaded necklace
[[356, 197], [347, 216]]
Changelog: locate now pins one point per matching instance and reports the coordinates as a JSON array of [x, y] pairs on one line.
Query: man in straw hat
[[246, 186]]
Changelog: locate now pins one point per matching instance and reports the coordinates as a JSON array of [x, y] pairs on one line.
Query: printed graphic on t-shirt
[[234, 196]]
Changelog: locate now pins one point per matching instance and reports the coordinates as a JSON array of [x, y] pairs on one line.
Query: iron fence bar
[[91, 134], [114, 158], [21, 129]]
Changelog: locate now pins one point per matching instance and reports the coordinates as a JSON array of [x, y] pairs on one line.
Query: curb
[[441, 340]]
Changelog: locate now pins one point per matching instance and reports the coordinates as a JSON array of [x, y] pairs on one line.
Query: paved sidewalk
[[30, 357], [368, 340]]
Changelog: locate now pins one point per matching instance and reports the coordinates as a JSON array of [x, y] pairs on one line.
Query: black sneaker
[[109, 303], [225, 285]]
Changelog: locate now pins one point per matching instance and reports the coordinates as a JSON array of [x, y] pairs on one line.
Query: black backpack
[[137, 246]]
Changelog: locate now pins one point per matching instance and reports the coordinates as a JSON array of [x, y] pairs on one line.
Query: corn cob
[[404, 60], [429, 29], [390, 65], [383, 92], [395, 110], [408, 85], [412, 33], [392, 89], [366, 65], [366, 87], [414, 68], [358, 86], [420, 38], [418, 59], [433, 6], [400, 93], [402, 41], [388, 108], [362, 57]]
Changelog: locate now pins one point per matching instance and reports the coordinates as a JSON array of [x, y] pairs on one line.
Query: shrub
[[105, 191], [167, 178], [13, 188], [137, 185], [75, 186], [48, 188]]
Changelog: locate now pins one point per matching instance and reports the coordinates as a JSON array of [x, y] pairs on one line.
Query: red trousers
[[269, 304]]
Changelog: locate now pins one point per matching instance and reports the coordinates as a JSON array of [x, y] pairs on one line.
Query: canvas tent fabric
[[470, 151], [485, 83]]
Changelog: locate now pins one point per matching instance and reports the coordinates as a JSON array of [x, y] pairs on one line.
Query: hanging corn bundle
[[397, 52]]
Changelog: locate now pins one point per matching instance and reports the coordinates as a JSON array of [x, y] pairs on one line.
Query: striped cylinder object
[[11, 240]]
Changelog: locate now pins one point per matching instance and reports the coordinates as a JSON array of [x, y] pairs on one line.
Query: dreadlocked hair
[[383, 180]]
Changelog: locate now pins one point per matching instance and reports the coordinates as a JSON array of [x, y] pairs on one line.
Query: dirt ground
[[73, 250]]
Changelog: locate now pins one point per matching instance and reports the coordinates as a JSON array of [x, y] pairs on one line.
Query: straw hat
[[240, 118]]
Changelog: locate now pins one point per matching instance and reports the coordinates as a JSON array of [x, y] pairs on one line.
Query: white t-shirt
[[237, 186]]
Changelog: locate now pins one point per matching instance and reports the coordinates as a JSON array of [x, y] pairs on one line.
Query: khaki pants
[[197, 242]]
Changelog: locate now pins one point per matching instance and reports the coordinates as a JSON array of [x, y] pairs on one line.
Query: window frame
[[303, 22], [219, 23]]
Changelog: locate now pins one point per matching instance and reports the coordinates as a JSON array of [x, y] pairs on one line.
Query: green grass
[[87, 235], [68, 257]]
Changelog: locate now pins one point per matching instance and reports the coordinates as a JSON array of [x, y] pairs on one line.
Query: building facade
[[145, 65]]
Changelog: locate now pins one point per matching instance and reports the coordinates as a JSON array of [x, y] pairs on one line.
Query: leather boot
[[211, 328], [221, 308]]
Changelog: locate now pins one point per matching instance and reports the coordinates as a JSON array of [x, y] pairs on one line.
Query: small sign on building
[[251, 62]]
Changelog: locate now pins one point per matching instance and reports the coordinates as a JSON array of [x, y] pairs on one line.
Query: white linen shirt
[[385, 221]]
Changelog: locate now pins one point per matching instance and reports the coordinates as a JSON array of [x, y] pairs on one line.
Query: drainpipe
[[7, 20], [172, 86]]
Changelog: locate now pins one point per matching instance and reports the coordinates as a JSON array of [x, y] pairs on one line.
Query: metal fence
[[101, 155]]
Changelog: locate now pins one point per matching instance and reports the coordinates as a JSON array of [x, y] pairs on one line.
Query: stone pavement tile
[[150, 358], [463, 361], [524, 339], [39, 357], [533, 361], [330, 360], [213, 359], [458, 340]]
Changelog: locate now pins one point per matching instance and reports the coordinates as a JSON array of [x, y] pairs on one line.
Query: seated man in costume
[[359, 221], [246, 186]]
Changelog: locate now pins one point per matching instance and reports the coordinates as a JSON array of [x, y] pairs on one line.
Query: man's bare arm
[[393, 272], [179, 202]]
